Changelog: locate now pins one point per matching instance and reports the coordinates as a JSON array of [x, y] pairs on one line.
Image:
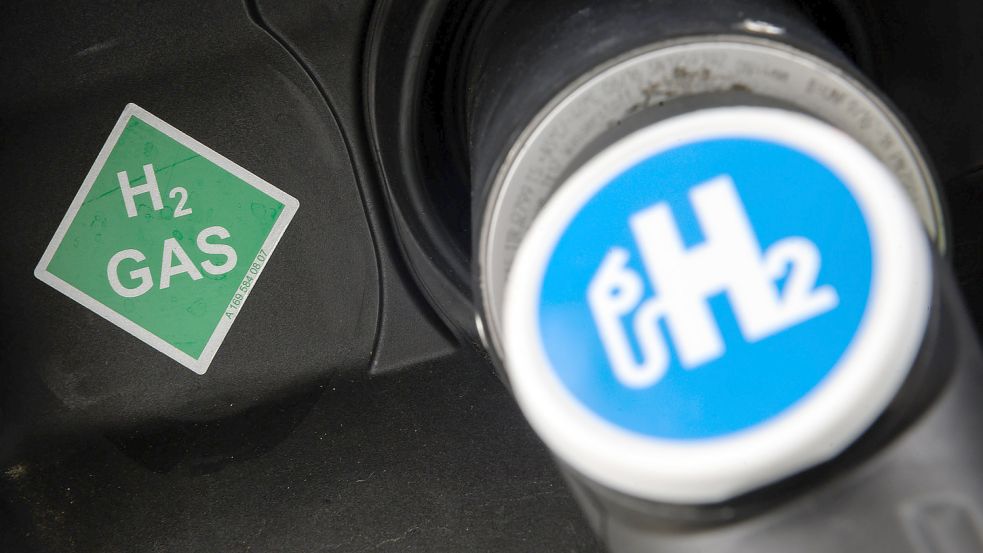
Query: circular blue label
[[706, 289]]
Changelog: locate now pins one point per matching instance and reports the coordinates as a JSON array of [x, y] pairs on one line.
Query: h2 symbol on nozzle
[[729, 260]]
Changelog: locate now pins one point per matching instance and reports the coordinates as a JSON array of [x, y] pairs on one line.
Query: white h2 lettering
[[150, 187], [729, 260]]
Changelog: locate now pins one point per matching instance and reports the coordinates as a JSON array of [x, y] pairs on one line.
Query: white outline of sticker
[[822, 423], [199, 365]]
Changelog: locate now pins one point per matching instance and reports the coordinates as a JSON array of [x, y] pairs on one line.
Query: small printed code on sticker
[[246, 285]]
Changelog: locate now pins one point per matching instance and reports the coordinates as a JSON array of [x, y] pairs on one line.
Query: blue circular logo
[[706, 289]]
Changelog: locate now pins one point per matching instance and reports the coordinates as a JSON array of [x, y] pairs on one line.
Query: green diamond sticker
[[166, 238]]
